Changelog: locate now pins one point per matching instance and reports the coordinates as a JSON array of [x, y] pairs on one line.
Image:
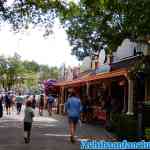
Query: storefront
[[99, 92]]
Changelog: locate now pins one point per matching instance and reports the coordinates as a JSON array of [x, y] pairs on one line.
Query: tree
[[27, 73], [14, 70], [31, 66], [10, 69], [91, 25], [47, 72], [3, 65], [54, 73], [23, 12], [103, 24]]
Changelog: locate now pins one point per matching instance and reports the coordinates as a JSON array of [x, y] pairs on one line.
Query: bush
[[146, 121], [125, 126]]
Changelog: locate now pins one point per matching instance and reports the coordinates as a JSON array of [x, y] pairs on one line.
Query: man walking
[[8, 102], [50, 103], [73, 107], [19, 102]]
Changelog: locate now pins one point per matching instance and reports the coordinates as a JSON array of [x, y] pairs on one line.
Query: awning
[[90, 78]]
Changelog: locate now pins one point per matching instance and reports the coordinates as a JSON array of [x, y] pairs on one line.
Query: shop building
[[111, 86]]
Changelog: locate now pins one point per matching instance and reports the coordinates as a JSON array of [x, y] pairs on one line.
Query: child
[[28, 119]]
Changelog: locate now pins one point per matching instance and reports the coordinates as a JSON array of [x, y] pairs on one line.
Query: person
[[73, 108], [1, 105], [19, 102], [28, 119], [33, 102], [8, 102], [13, 101], [84, 111], [89, 111], [50, 103], [41, 104]]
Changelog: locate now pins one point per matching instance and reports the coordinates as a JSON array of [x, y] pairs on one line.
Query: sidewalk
[[49, 133]]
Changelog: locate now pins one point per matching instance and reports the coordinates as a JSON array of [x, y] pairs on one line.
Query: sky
[[31, 45]]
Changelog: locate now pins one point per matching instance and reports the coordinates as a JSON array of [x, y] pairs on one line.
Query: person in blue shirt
[[73, 108], [50, 103], [8, 102]]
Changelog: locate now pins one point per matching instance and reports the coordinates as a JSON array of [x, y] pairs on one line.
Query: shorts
[[8, 105], [27, 126], [19, 105], [41, 105], [73, 120], [85, 109]]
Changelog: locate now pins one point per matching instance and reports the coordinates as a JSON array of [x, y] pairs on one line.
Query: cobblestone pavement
[[48, 133]]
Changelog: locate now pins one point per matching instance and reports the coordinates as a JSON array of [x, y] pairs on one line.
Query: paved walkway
[[49, 133]]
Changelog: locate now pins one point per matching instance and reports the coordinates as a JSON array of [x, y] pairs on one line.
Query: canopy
[[90, 78]]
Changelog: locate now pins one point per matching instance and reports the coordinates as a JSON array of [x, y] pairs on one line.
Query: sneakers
[[72, 140], [26, 140]]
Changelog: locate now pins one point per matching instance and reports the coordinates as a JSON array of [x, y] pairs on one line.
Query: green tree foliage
[[22, 12], [54, 73], [91, 25], [104, 24], [31, 66], [47, 72], [10, 69], [13, 69], [3, 65]]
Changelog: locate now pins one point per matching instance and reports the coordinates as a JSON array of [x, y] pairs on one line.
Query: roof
[[126, 63], [90, 78]]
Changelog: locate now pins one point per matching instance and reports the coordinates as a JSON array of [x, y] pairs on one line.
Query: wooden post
[[124, 99], [130, 97], [61, 100], [87, 89]]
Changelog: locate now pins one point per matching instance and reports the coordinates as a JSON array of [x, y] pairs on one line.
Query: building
[[115, 86]]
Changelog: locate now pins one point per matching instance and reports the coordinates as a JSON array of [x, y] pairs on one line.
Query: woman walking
[[41, 105]]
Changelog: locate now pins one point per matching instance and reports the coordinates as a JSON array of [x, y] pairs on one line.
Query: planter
[[124, 126]]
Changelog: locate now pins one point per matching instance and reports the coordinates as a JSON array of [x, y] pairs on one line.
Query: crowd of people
[[10, 102]]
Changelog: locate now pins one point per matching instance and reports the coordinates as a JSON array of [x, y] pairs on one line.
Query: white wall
[[126, 49]]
